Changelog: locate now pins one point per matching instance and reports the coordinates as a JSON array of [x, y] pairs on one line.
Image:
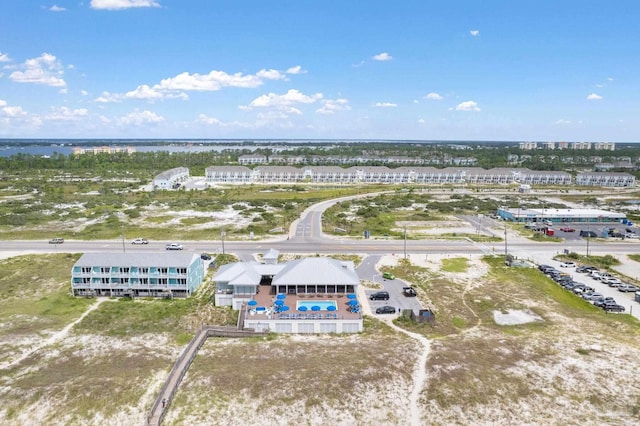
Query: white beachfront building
[[254, 288]]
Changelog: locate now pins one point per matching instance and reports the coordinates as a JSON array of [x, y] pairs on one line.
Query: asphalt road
[[306, 236]]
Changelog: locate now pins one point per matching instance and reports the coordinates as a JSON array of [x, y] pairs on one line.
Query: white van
[[548, 223]]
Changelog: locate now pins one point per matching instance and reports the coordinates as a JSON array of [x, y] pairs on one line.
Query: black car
[[205, 256], [386, 310], [586, 269], [409, 291], [613, 307], [590, 234], [380, 295], [56, 241]]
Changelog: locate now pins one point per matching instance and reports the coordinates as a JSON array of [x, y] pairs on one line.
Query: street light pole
[[222, 239]]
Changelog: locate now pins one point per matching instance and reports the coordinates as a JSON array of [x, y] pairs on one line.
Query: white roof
[[311, 271]]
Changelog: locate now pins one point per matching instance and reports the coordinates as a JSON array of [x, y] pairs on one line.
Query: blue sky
[[560, 70]]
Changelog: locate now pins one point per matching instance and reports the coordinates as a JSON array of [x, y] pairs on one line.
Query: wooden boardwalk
[[183, 363]]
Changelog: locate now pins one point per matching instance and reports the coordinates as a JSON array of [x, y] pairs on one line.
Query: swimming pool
[[323, 304]]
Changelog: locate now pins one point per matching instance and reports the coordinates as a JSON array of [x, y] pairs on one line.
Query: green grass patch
[[456, 264], [35, 293]]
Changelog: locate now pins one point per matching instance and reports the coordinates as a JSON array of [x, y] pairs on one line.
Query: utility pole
[[405, 241], [505, 241], [222, 233], [588, 235], [123, 245]]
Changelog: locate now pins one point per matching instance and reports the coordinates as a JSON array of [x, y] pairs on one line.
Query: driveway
[[367, 270]]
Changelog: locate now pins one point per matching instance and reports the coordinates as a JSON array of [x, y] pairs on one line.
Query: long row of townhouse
[[417, 175], [255, 159]]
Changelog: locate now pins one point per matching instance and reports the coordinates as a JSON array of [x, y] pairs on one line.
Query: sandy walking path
[[54, 338], [420, 376]]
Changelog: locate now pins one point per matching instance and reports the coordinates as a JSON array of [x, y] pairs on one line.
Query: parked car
[[601, 302], [633, 236], [611, 282], [409, 291], [56, 241], [568, 229], [627, 288], [386, 310], [586, 269], [568, 265], [379, 295], [590, 234], [613, 307], [205, 256], [388, 276], [174, 246], [140, 241], [595, 275], [592, 296]]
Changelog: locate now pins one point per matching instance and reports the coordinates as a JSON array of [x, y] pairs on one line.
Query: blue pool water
[[324, 304]]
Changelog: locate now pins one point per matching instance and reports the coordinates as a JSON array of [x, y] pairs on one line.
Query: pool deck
[[266, 299]]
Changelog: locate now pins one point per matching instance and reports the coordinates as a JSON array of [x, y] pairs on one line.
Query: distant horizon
[[301, 140]]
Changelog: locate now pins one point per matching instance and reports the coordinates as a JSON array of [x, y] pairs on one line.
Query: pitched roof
[[317, 270]]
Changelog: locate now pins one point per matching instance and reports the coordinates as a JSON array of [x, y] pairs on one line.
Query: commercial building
[[560, 216], [283, 297], [169, 274]]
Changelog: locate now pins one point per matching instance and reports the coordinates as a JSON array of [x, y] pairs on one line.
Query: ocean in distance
[[49, 147]]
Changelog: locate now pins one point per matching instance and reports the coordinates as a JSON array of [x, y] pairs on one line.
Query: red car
[[567, 229]]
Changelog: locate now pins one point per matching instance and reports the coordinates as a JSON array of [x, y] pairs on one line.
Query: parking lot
[[625, 299]]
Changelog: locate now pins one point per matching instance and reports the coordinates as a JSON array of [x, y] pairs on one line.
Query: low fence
[[183, 363]]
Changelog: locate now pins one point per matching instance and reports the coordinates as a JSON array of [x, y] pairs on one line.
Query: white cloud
[[210, 120], [283, 102], [384, 56], [3, 103], [66, 114], [271, 75], [143, 92], [467, 106], [4, 57], [45, 69], [359, 64], [421, 121], [139, 118], [562, 122], [213, 81], [474, 33], [385, 105], [296, 70], [84, 93], [330, 106], [107, 97], [12, 111], [434, 96], [174, 87], [56, 8], [122, 4], [593, 97], [415, 101]]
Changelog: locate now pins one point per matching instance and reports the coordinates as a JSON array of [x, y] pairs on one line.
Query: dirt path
[[54, 338], [419, 374]]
